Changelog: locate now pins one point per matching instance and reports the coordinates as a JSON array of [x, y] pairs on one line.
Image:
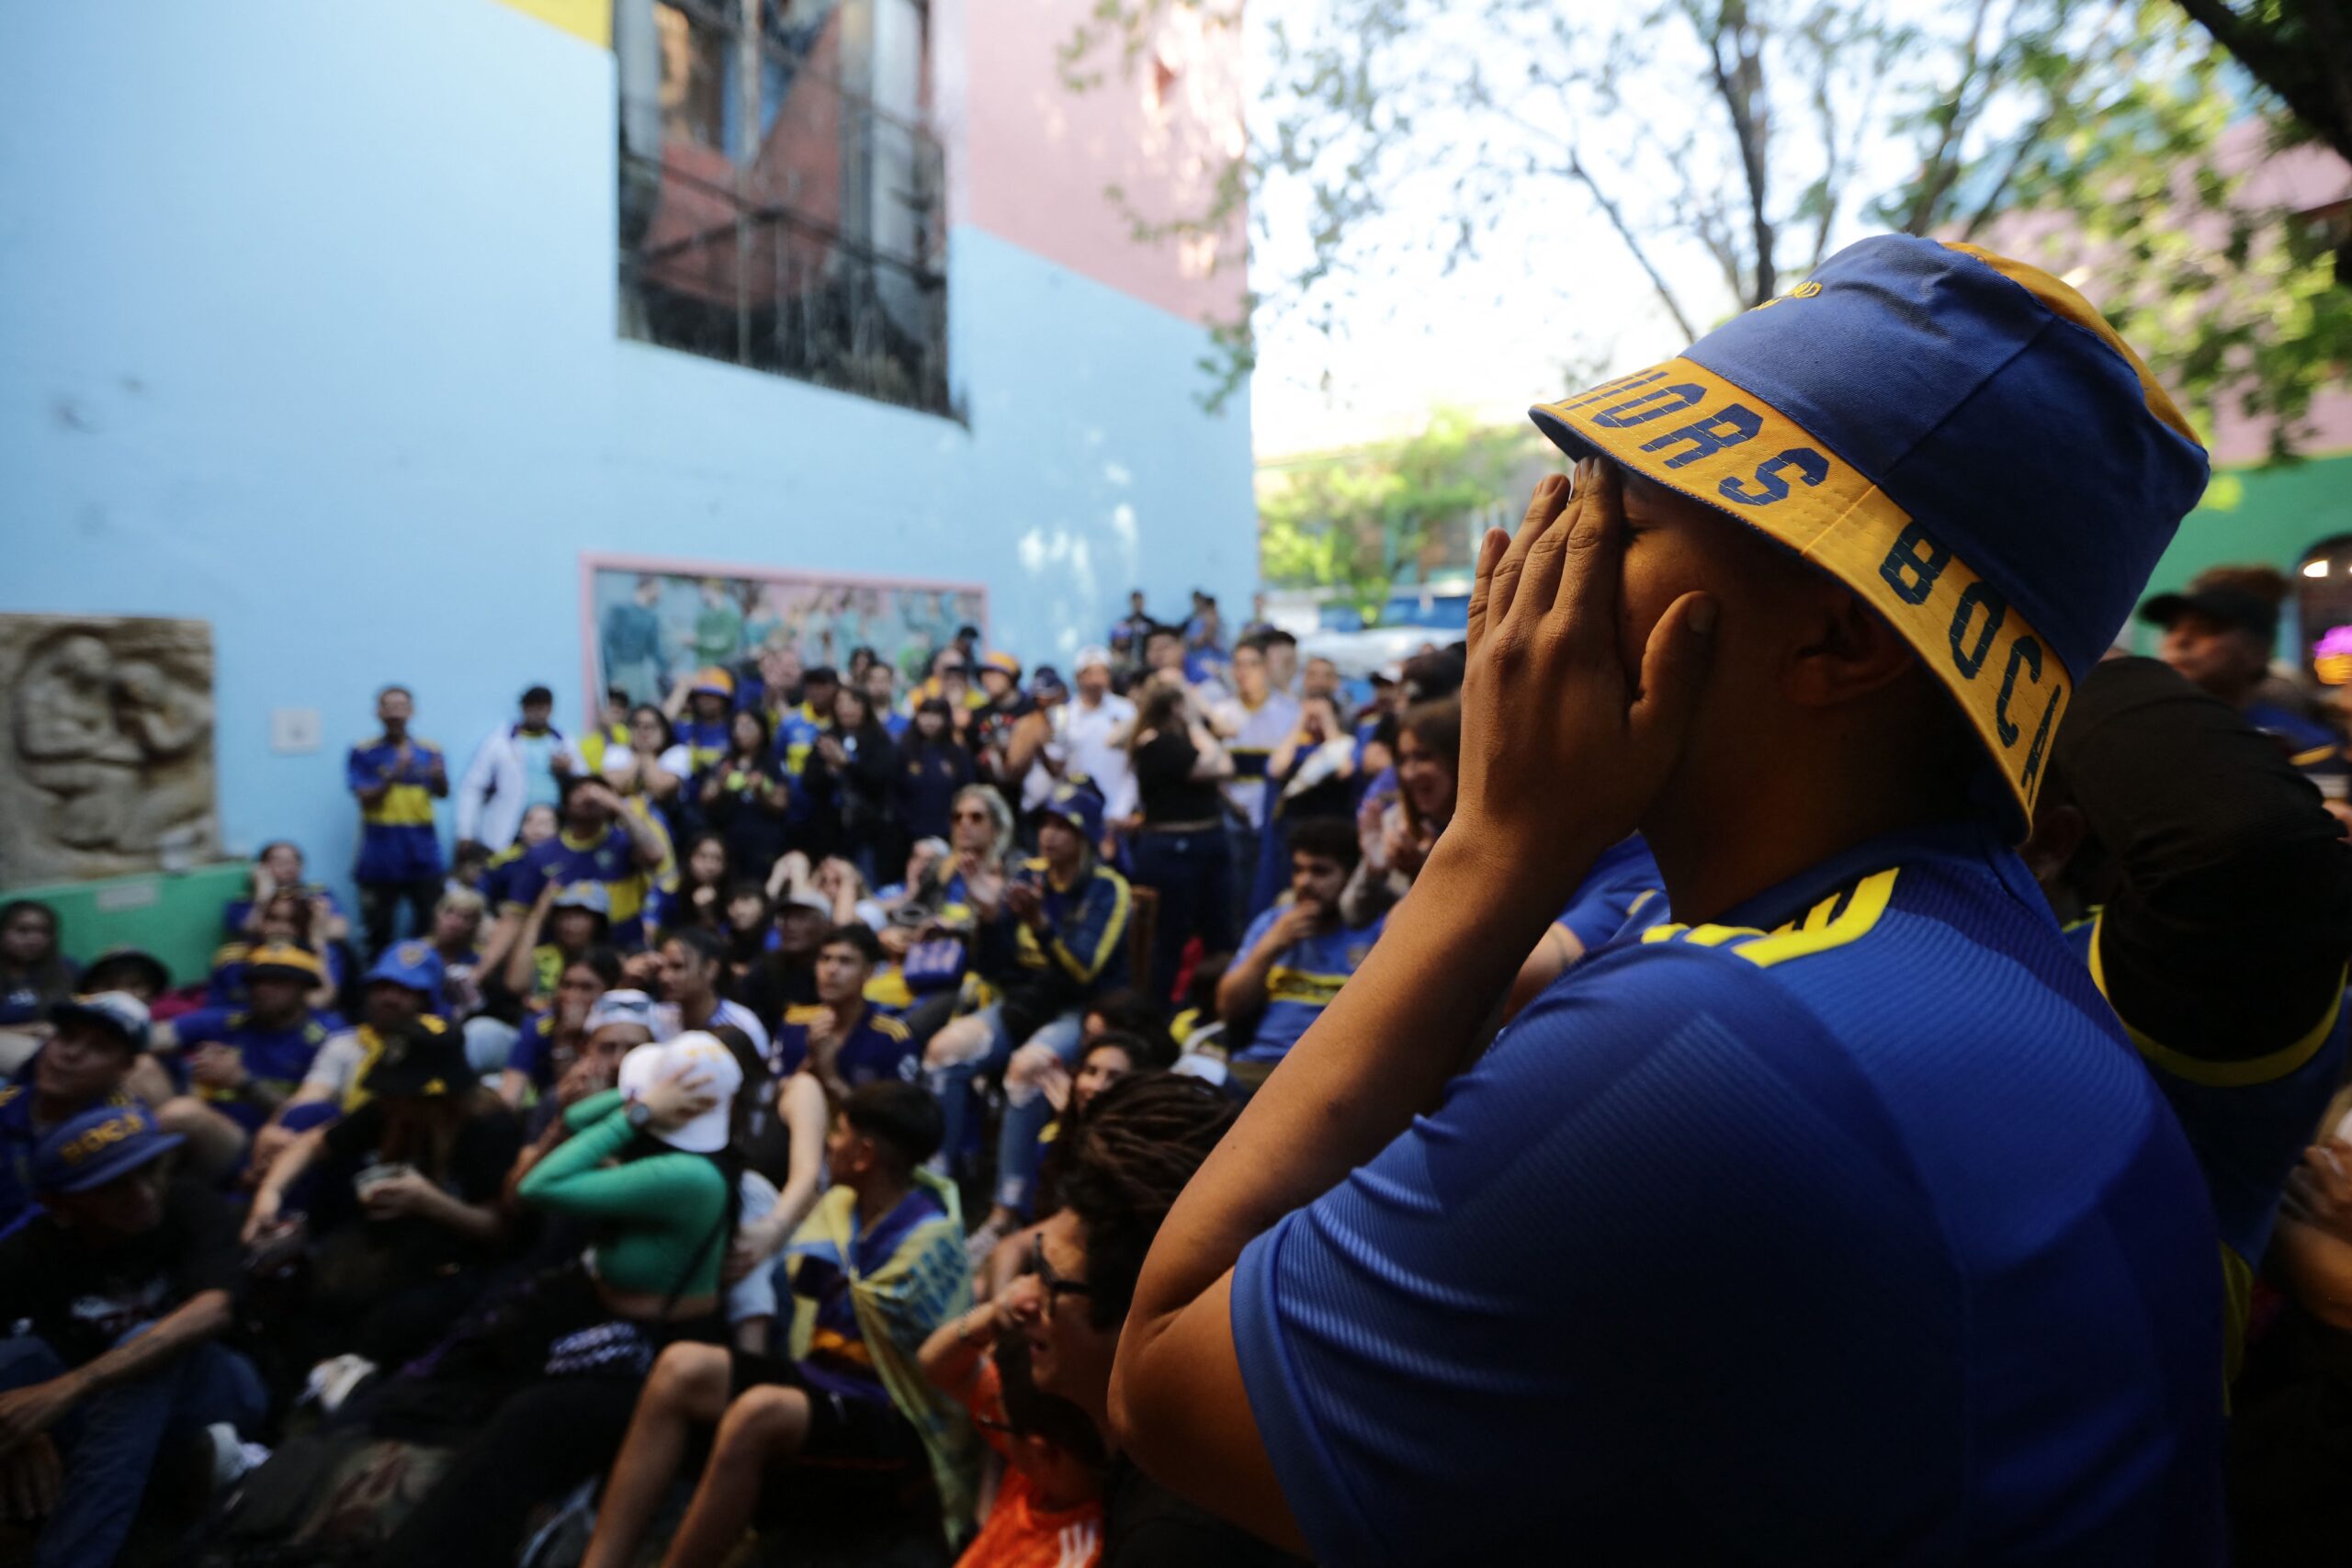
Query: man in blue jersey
[[1832, 1221], [604, 840], [248, 1060], [1295, 956], [843, 1038], [397, 778]]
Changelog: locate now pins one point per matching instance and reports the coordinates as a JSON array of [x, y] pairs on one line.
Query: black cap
[[420, 1058], [2225, 603]]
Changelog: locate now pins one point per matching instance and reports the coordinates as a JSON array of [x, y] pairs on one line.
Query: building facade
[[351, 329]]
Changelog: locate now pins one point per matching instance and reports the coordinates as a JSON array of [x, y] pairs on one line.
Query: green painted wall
[[174, 915], [2268, 514]]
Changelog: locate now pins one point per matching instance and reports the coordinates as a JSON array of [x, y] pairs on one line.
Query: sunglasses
[[1055, 1286], [971, 817]]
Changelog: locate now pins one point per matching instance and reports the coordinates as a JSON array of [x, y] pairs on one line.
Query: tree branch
[[1616, 216]]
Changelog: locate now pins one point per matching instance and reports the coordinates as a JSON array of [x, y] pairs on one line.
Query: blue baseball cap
[[1960, 438], [93, 1148], [1077, 803], [117, 1011], [413, 964]]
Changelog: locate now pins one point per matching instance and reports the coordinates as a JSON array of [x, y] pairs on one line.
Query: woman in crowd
[[1398, 834], [34, 971], [750, 918], [458, 922], [865, 766], [744, 797], [286, 916], [705, 874], [933, 766], [554, 1037], [1181, 851], [278, 868], [403, 1217], [652, 1169], [1313, 773], [656, 766]]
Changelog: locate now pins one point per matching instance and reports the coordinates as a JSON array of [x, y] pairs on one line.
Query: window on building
[[781, 193]]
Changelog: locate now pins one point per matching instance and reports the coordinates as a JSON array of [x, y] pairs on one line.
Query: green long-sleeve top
[[658, 1212]]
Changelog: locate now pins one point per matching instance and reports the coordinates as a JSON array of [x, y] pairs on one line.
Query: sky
[[1554, 303]]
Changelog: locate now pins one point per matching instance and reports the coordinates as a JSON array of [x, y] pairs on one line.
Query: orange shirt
[[1020, 1531]]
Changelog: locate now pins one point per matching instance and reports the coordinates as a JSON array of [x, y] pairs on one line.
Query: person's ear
[[1844, 651]]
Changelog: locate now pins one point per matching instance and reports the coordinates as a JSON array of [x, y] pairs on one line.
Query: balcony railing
[[817, 251]]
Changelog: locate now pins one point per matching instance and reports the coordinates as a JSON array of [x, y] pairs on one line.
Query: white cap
[[1093, 657], [696, 1052]]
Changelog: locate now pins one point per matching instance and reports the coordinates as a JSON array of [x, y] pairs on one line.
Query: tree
[[1353, 520], [2300, 50], [1729, 144]]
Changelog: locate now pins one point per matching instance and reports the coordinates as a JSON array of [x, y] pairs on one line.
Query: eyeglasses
[[1053, 1284], [970, 816]]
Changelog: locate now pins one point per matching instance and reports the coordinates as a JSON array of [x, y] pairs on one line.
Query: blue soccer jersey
[[1602, 902], [276, 1060], [396, 842], [609, 859], [1846, 1231], [880, 1050], [1304, 979]]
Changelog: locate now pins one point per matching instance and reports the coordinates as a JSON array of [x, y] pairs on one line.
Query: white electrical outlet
[[293, 730]]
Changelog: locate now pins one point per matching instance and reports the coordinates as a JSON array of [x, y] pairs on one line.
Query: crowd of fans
[[772, 1092], [759, 1122]]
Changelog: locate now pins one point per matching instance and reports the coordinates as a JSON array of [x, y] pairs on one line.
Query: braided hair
[[1138, 1144]]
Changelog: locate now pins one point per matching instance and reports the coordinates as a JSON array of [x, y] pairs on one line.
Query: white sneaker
[[331, 1381], [232, 1458]]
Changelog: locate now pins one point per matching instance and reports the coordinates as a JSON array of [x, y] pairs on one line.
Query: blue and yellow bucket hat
[[1960, 438]]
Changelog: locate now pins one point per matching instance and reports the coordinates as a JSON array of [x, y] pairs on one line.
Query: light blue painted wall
[[306, 328]]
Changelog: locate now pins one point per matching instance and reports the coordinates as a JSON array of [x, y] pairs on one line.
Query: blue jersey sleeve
[[526, 880], [1257, 929], [203, 1025], [789, 1048], [359, 770], [1661, 1243]]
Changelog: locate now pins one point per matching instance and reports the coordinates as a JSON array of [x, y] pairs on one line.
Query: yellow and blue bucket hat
[[1960, 438]]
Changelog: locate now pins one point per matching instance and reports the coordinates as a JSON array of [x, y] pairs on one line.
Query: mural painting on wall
[[652, 625], [106, 747]]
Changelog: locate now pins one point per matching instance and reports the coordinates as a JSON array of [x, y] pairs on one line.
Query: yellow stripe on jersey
[[1818, 932], [1284, 984], [2267, 1068], [403, 805]]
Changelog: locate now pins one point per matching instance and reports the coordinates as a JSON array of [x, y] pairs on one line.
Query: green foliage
[[2123, 178], [1727, 140], [1353, 519]]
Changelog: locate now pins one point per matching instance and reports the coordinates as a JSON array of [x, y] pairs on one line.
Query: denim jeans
[[1192, 874], [1016, 1144], [108, 1442]]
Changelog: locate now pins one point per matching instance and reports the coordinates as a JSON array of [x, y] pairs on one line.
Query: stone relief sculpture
[[106, 747]]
